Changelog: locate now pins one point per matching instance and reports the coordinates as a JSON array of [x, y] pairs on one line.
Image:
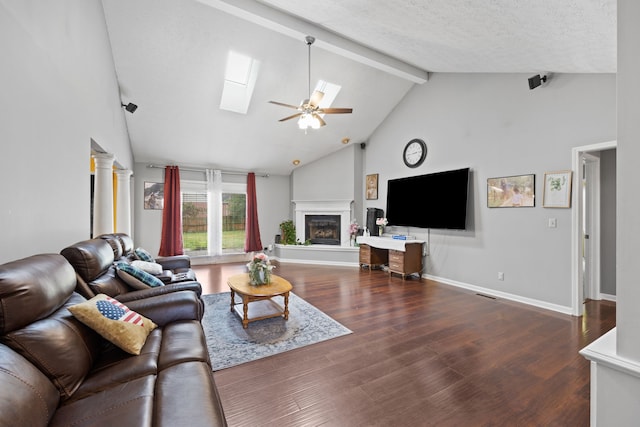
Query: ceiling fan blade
[[316, 98], [290, 117], [335, 110], [284, 105], [322, 122]]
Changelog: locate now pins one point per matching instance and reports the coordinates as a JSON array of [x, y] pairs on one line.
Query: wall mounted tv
[[436, 200]]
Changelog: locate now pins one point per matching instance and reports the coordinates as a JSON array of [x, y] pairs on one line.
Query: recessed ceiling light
[[345, 140], [296, 162]]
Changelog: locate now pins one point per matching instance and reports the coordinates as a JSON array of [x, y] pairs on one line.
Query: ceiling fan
[[309, 110]]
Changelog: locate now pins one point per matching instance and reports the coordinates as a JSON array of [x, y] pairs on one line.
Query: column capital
[[103, 160], [123, 173]]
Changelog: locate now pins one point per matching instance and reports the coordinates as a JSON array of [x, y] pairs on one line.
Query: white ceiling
[[170, 60]]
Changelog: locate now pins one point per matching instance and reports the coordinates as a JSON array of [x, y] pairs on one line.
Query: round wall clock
[[414, 153]]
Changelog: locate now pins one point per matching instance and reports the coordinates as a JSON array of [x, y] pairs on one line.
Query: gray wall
[[608, 222], [495, 125], [59, 91], [329, 178]]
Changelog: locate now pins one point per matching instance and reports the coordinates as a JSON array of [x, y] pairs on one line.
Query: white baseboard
[[503, 295], [608, 297], [317, 262]]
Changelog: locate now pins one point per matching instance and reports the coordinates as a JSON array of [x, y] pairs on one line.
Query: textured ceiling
[[496, 36], [170, 58]]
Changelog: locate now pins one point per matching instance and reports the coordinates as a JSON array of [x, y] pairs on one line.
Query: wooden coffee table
[[260, 296]]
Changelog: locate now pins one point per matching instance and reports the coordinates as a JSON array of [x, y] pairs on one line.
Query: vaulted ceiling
[[170, 58]]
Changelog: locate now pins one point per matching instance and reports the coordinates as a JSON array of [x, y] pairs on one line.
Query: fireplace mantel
[[324, 207]]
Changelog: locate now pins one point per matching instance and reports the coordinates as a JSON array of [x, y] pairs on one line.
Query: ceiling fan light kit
[[309, 111]]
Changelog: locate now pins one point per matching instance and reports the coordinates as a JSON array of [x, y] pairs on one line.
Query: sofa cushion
[[115, 322], [136, 278], [143, 255], [129, 405], [27, 397], [150, 267], [60, 346], [32, 288], [90, 258]]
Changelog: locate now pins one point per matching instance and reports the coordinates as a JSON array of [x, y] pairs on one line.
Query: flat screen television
[[436, 200]]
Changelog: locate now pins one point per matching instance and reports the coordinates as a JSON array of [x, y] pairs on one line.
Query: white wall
[[495, 125], [59, 90]]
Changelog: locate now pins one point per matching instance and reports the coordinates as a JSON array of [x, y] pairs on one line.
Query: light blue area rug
[[230, 344]]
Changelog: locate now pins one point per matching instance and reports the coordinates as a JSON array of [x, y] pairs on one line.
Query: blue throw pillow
[[143, 255], [136, 278]]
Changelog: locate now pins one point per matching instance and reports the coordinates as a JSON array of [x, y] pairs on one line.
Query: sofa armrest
[[194, 287], [174, 262], [168, 308]]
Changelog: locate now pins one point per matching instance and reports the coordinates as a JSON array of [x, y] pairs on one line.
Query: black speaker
[[536, 81], [363, 145], [372, 215]]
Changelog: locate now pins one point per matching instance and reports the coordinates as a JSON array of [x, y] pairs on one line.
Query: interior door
[[590, 225]]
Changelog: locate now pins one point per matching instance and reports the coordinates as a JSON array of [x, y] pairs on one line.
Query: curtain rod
[[204, 170]]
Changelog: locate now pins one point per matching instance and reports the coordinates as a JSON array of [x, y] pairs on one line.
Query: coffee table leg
[[286, 306], [245, 309], [233, 299]]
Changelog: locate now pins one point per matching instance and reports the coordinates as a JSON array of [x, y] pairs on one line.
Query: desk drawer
[[396, 256]]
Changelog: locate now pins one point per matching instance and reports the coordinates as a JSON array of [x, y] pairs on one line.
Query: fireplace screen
[[322, 229]]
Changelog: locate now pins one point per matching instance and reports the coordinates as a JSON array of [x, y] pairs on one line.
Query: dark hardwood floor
[[421, 354]]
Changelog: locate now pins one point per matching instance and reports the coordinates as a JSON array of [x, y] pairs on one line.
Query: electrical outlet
[[553, 223], [500, 275]]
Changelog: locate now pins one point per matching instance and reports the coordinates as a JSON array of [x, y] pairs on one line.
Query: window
[[196, 218], [234, 215]]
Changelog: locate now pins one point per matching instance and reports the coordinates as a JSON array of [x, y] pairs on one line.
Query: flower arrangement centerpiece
[[353, 230], [260, 269], [381, 223]]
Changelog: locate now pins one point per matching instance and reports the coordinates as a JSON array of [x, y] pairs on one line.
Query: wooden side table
[[260, 296]]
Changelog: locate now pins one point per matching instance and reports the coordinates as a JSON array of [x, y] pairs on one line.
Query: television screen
[[437, 200]]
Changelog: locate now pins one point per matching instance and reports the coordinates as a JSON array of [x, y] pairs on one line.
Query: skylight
[[239, 81], [330, 91]]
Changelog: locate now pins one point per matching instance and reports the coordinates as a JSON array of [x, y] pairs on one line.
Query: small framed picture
[[511, 191], [154, 195], [557, 189], [372, 186]]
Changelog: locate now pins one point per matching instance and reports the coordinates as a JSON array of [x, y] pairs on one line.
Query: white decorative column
[[103, 194], [123, 201]]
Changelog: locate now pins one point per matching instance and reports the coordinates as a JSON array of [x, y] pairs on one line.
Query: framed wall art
[[154, 195], [372, 186], [557, 189], [511, 191]]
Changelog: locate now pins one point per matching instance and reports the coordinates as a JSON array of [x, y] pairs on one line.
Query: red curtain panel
[[171, 239], [252, 240]]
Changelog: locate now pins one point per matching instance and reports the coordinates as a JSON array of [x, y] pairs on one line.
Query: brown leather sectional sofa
[[93, 261], [56, 371]]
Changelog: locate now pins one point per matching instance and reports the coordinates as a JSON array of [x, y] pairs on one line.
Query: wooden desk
[[262, 307], [403, 256]]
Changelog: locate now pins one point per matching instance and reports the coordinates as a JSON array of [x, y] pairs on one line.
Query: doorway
[[586, 225]]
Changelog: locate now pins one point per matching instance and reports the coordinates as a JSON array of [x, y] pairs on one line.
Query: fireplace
[[330, 219], [322, 229]]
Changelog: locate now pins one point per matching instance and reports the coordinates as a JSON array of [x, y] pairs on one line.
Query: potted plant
[[288, 232]]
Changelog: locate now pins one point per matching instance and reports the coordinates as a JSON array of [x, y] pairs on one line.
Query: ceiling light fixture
[[345, 140], [296, 162], [130, 107], [311, 110]]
